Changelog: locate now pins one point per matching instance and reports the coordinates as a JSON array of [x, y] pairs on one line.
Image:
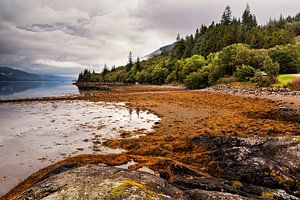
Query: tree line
[[235, 49]]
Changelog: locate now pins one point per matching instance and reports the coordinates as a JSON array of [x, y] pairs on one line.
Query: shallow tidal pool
[[36, 134]]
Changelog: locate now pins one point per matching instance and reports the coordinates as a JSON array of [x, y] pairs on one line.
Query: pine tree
[[105, 70], [80, 76], [226, 17], [248, 20], [138, 64], [197, 34], [130, 63], [188, 46], [177, 37], [179, 48]]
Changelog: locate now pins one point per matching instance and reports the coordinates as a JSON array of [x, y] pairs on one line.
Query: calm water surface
[[28, 89], [35, 134]]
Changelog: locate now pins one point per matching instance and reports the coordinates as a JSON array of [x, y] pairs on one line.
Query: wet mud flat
[[207, 145], [36, 134]]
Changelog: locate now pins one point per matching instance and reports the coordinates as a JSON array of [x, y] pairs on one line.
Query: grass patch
[[284, 79]]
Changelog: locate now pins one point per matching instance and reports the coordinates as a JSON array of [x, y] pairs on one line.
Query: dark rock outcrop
[[259, 166]]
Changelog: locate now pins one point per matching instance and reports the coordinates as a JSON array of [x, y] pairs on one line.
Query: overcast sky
[[64, 36]]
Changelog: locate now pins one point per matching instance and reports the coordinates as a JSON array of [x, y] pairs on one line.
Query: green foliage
[[179, 48], [85, 76], [227, 16], [234, 56], [138, 64], [143, 77], [272, 69], [196, 80], [158, 75], [189, 65], [288, 57], [227, 80], [264, 80], [129, 64], [284, 79], [244, 73], [248, 20]]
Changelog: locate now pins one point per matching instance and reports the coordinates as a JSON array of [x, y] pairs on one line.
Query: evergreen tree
[[188, 46], [226, 17], [130, 63], [80, 77], [105, 70], [179, 48], [248, 20], [177, 37], [138, 64]]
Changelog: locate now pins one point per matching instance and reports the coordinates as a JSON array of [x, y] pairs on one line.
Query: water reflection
[[28, 89], [36, 134]]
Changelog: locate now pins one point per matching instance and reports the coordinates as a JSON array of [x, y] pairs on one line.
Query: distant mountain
[[9, 74], [159, 51]]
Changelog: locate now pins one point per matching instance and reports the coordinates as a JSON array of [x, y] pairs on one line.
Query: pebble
[[255, 90]]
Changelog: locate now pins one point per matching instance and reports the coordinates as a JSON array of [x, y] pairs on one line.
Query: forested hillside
[[235, 49]]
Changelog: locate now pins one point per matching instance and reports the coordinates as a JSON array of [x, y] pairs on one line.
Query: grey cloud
[[68, 29], [37, 35]]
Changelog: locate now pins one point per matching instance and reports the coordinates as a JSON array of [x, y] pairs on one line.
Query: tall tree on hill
[[138, 64], [189, 43], [179, 48], [227, 16], [248, 19], [105, 70], [130, 63]]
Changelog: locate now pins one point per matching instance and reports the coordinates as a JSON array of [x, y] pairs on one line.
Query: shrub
[[288, 57], [233, 56], [158, 75], [295, 84], [143, 77], [196, 80], [244, 73], [270, 67], [227, 80], [264, 81], [189, 65]]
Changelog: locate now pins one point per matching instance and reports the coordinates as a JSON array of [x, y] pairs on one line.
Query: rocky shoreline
[[208, 145], [257, 91], [252, 168]]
